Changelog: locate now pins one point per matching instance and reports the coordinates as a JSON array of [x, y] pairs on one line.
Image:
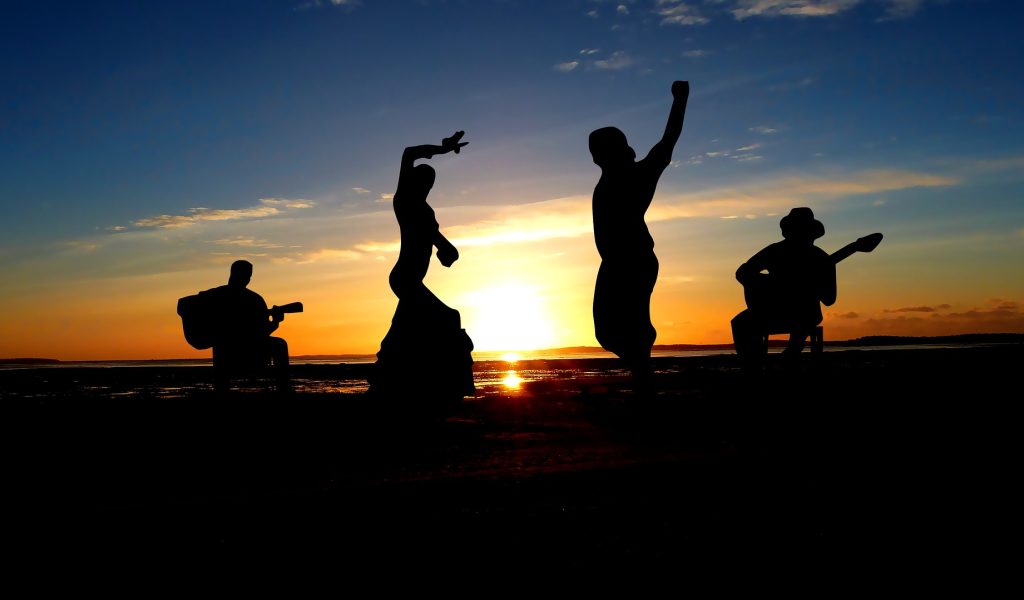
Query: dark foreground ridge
[[881, 454]]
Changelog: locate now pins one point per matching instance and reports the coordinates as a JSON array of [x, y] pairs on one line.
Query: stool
[[816, 341]]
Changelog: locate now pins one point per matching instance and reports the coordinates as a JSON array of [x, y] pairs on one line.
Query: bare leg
[[640, 366], [747, 338], [278, 349], [797, 341], [221, 377]]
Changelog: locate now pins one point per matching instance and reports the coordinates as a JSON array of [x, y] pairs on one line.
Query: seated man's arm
[[757, 263], [827, 291], [270, 320]]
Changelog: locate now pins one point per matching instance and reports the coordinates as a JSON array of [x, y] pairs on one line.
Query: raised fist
[[681, 90], [447, 255]]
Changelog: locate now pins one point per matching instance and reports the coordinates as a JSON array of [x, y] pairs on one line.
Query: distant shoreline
[[967, 339]]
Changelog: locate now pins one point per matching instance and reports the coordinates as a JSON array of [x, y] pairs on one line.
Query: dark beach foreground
[[865, 461]]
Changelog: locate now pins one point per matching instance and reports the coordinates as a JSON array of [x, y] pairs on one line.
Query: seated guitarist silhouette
[[245, 324], [785, 284]]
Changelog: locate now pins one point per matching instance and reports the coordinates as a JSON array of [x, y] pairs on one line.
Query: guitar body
[[761, 292], [199, 319]]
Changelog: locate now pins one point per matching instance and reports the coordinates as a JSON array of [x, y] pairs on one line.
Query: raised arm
[[448, 144], [662, 151]]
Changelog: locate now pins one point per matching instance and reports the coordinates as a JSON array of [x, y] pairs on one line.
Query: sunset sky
[[145, 145]]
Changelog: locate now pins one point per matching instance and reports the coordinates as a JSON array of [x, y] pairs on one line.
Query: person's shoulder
[[215, 292], [654, 163], [819, 253], [252, 295]]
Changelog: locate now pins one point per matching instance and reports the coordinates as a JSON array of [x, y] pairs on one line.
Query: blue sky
[[285, 120]]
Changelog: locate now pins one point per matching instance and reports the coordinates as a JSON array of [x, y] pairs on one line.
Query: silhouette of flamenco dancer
[[629, 268], [426, 353]]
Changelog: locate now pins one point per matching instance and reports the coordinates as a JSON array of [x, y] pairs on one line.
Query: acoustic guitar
[[758, 291]]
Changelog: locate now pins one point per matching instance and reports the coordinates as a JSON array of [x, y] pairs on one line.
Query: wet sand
[[863, 457]]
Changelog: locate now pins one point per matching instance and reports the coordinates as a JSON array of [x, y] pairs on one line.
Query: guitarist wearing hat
[[785, 284]]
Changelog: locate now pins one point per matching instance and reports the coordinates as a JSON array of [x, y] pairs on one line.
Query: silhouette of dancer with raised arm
[[784, 286], [629, 268], [236, 322], [426, 352]]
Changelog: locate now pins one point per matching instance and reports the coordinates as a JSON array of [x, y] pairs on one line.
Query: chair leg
[[818, 339]]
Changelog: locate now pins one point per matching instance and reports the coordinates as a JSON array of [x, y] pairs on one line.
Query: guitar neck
[[843, 253]]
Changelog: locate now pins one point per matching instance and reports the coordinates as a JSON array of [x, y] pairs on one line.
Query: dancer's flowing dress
[[426, 355]]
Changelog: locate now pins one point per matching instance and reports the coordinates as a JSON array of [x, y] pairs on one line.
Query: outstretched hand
[[681, 90], [447, 255], [452, 143]]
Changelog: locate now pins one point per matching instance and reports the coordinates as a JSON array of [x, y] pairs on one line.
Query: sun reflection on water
[[512, 380]]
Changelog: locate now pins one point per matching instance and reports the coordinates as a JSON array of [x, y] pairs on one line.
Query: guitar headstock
[[868, 242]]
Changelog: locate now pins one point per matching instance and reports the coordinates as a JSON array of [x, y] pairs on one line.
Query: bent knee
[[744, 318]]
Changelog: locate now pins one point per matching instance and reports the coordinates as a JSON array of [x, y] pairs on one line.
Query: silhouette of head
[[423, 177], [609, 147], [801, 226], [241, 273]]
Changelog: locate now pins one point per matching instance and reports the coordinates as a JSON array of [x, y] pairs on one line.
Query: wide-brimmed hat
[[800, 222]]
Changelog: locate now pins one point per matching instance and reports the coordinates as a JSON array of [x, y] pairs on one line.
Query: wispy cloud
[[360, 190], [80, 245], [684, 12], [379, 247], [622, 9], [588, 51], [678, 12], [698, 53], [743, 9], [917, 309], [565, 67], [325, 254], [1000, 316], [310, 4], [741, 154], [571, 217], [617, 61], [901, 9], [248, 242], [763, 129], [796, 84], [268, 207], [780, 194]]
